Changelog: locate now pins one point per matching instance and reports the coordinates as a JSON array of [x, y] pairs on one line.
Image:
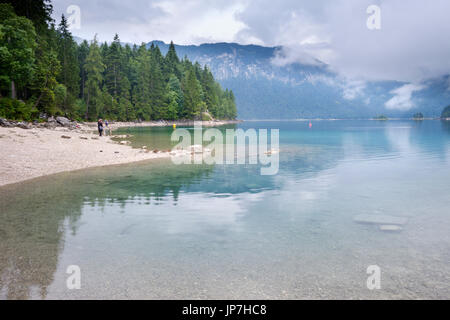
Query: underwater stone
[[380, 219]]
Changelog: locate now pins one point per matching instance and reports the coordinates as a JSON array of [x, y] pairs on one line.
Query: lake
[[156, 230]]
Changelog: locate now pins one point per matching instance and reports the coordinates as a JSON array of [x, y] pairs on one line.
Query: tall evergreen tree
[[83, 51], [157, 90], [171, 62], [113, 72], [141, 92], [192, 95], [94, 68], [67, 54], [17, 49]]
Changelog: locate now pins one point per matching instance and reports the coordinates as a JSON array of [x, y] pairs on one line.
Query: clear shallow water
[[155, 230]]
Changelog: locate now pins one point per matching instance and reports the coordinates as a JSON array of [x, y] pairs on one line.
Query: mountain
[[265, 90]]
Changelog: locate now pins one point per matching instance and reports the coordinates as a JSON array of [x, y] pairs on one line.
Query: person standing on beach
[[100, 127]]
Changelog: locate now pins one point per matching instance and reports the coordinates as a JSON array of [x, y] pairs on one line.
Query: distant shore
[[35, 150], [336, 119], [168, 123]]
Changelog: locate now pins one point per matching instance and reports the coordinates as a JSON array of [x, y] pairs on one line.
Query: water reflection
[[445, 125], [235, 233]]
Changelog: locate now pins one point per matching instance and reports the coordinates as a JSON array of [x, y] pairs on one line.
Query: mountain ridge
[[267, 90]]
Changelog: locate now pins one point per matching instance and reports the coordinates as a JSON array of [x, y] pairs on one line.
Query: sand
[[32, 153]]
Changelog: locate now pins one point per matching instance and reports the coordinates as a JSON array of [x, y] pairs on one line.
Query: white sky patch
[[353, 89], [402, 97], [319, 78], [211, 25], [302, 40], [137, 21]]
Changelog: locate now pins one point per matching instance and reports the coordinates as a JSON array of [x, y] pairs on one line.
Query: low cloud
[[353, 89], [402, 97], [301, 53]]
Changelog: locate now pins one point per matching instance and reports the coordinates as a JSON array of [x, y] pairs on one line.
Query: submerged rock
[[66, 137], [380, 219], [122, 136], [390, 228]]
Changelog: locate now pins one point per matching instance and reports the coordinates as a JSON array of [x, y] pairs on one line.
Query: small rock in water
[[121, 136], [116, 151], [380, 219], [390, 227], [65, 137], [84, 138], [94, 138], [101, 150], [123, 142]]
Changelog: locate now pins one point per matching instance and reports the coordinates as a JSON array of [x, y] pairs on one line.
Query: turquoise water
[[155, 230]]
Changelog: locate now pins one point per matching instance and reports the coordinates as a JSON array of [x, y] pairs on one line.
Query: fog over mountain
[[312, 58], [264, 89]]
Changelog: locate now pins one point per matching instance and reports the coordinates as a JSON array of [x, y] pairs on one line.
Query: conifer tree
[[171, 62], [192, 95], [67, 55], [83, 51], [94, 68], [113, 67]]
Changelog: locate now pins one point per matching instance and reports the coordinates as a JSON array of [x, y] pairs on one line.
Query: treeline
[[44, 71]]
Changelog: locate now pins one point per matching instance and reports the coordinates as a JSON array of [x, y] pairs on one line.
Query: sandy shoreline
[[31, 153], [214, 123]]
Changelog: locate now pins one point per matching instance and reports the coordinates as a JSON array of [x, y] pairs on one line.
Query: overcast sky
[[412, 44]]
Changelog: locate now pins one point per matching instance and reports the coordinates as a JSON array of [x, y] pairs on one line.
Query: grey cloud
[[411, 46]]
